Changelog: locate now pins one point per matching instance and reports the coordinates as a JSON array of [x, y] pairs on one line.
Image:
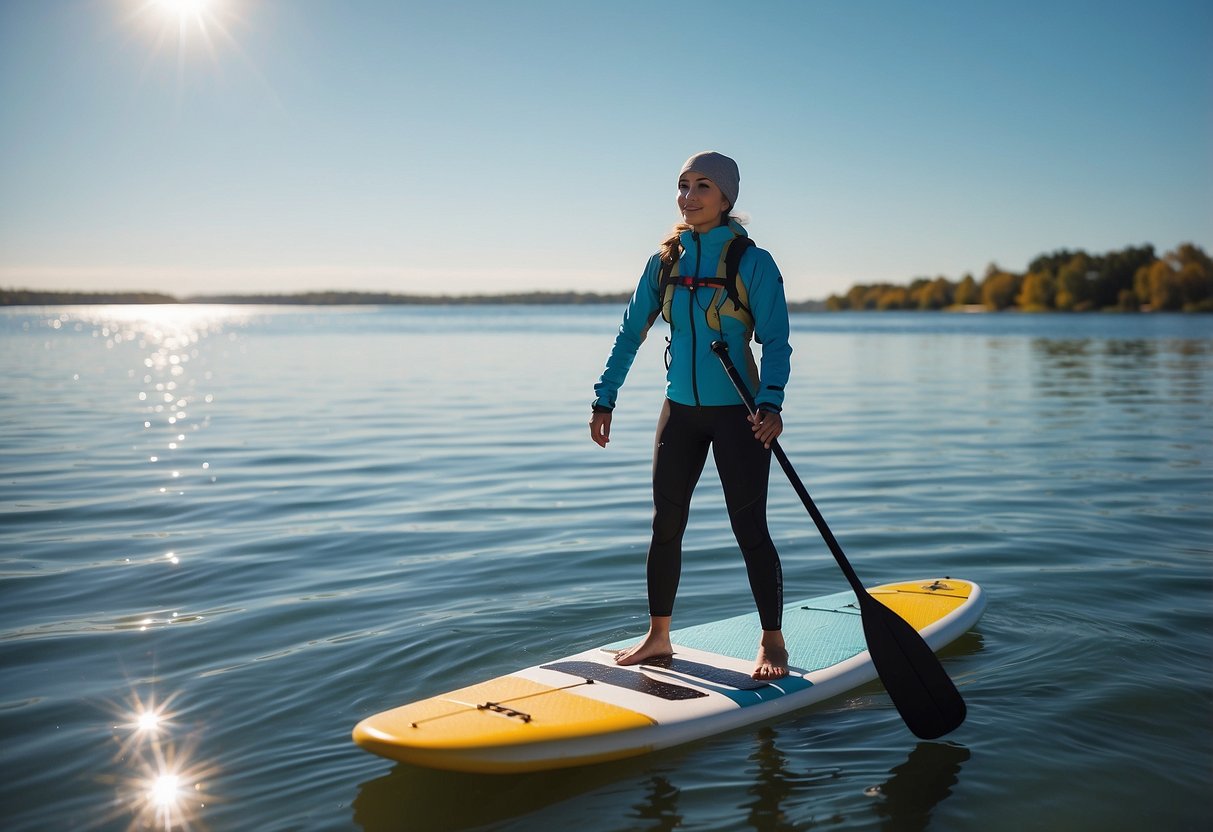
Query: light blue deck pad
[[820, 632]]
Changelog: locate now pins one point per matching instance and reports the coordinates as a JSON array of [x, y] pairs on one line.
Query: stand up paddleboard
[[586, 709]]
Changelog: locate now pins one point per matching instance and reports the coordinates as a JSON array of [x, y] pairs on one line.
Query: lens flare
[[148, 721], [165, 791], [143, 720], [165, 785]]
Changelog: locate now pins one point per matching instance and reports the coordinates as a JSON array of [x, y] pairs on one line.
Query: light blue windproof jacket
[[695, 375]]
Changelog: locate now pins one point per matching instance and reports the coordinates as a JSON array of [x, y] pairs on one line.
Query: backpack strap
[[735, 289], [665, 287], [730, 298]]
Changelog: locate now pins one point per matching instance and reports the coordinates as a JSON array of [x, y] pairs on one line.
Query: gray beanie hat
[[720, 169]]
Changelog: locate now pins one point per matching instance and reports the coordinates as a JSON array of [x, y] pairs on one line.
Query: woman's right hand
[[600, 428]]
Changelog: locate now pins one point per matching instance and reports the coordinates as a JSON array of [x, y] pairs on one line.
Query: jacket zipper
[[691, 312]]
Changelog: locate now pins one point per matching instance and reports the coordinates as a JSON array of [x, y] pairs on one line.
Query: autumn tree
[[1158, 286], [1195, 274], [999, 289], [1074, 284], [967, 292], [1180, 280], [893, 297], [1037, 291], [932, 294], [1115, 272]]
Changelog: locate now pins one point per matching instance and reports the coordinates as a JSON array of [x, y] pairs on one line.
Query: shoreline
[[28, 297]]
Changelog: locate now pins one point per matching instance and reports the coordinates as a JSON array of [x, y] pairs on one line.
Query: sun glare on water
[[166, 784], [165, 790], [148, 721]]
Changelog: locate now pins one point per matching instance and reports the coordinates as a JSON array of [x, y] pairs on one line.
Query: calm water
[[266, 523]]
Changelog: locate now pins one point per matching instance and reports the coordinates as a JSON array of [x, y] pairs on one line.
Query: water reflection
[[1119, 368], [425, 800], [775, 783], [660, 806], [1062, 367], [779, 797], [918, 785]]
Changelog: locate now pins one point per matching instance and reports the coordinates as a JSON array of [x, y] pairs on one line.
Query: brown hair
[[670, 245]]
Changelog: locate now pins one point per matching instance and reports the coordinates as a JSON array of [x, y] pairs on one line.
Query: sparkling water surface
[[229, 533]]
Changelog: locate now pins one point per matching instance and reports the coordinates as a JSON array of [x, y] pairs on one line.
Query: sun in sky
[[187, 22], [186, 12]]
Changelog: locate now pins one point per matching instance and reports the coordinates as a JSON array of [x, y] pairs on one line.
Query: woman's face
[[700, 201]]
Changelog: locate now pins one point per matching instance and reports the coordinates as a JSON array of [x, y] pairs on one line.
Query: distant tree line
[[388, 299], [1130, 280], [29, 297]]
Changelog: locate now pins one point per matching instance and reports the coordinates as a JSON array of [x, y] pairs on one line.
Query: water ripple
[[282, 520]]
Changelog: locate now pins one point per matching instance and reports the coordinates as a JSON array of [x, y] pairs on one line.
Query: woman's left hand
[[767, 426]]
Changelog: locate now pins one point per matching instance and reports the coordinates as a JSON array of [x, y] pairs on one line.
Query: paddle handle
[[722, 352]]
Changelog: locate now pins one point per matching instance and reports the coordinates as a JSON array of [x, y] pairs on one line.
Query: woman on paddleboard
[[711, 284]]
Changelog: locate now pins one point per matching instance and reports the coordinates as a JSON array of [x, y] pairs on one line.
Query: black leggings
[[684, 434]]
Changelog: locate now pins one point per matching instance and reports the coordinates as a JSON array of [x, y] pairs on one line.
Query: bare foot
[[656, 644], [772, 660]]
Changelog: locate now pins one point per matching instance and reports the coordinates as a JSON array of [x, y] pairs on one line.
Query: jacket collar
[[719, 235]]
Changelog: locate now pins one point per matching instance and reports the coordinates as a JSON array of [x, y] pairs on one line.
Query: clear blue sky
[[463, 147]]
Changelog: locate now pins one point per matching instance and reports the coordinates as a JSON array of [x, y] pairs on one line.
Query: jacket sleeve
[[770, 309], [642, 310]]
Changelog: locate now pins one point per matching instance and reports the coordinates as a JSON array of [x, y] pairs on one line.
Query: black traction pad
[[629, 679], [708, 673]]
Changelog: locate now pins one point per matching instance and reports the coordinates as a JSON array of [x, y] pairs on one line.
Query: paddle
[[915, 680]]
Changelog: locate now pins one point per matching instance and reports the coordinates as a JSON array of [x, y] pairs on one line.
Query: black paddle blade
[[912, 674]]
